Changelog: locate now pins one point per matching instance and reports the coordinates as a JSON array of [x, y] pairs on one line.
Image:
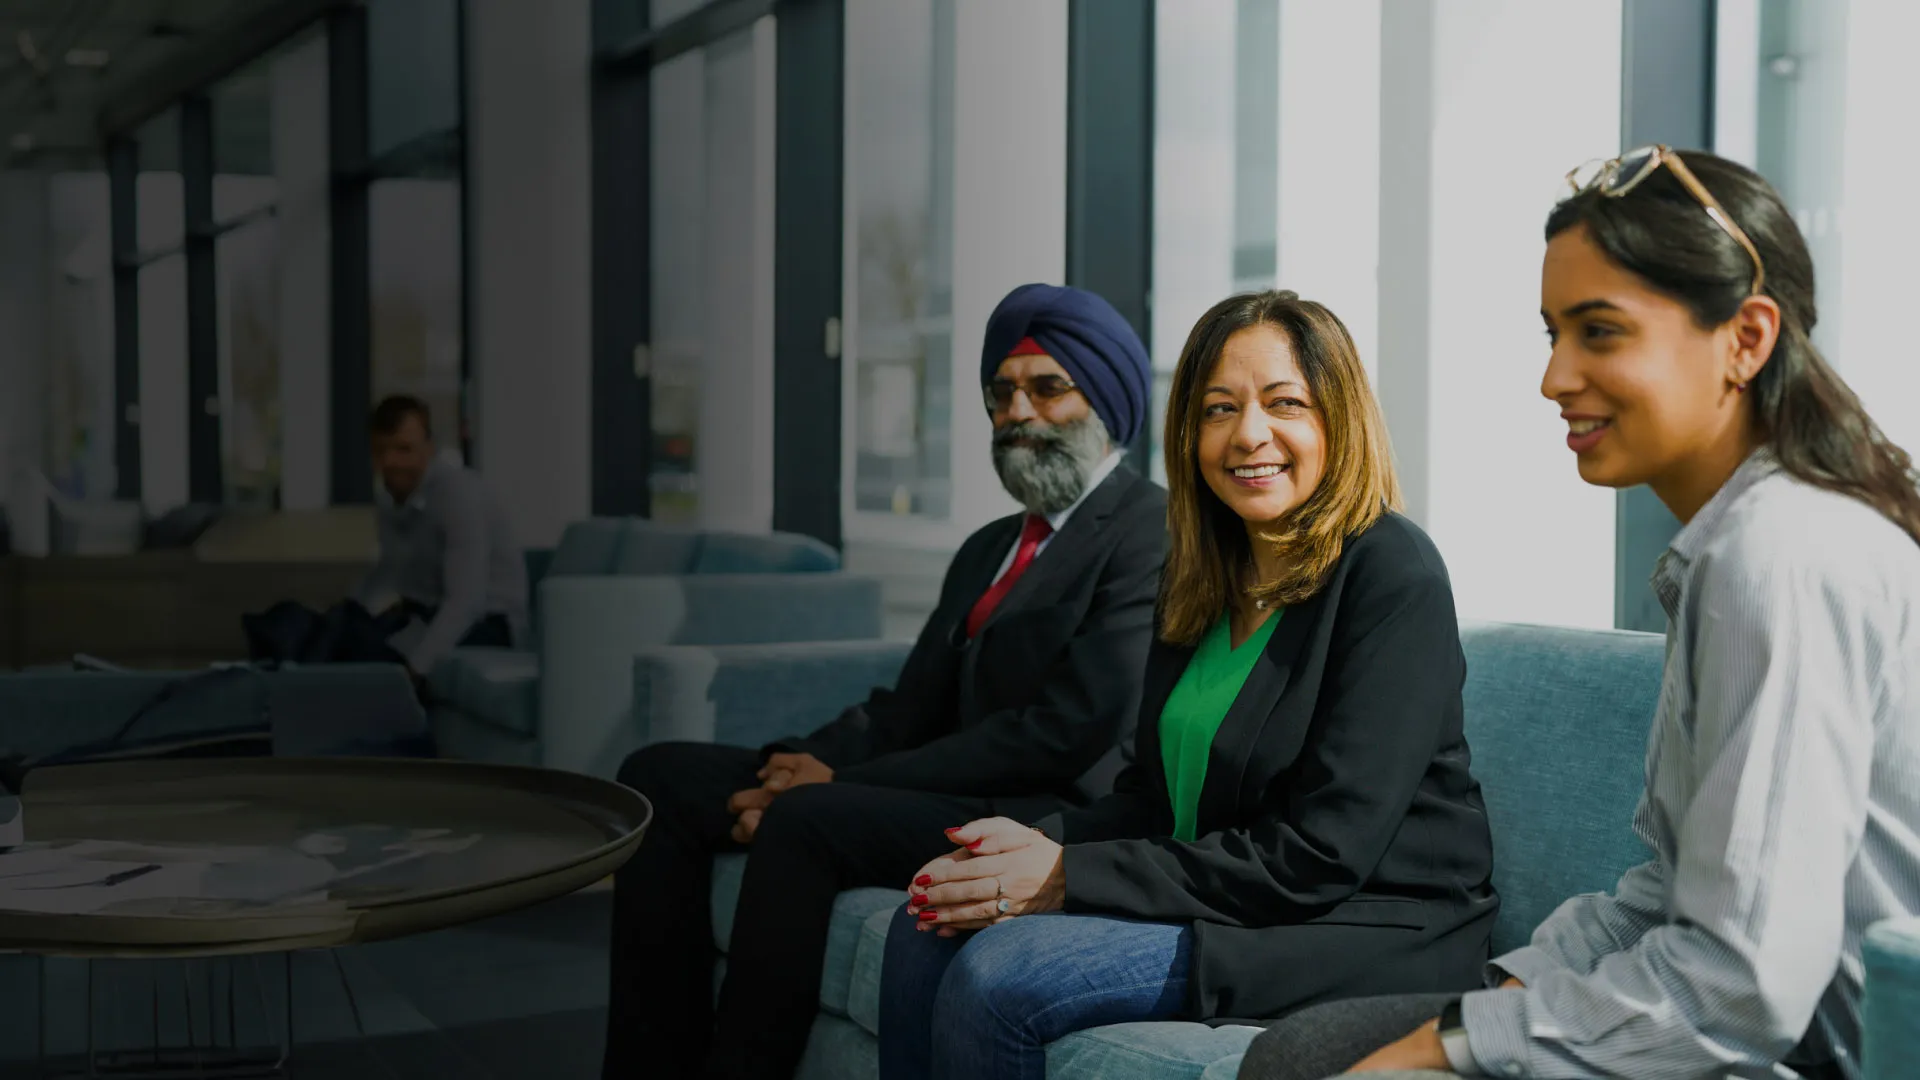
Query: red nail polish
[[976, 843], [917, 901], [955, 829], [923, 880], [929, 916]]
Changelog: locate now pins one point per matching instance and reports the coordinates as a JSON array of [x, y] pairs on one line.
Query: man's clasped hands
[[1000, 869]]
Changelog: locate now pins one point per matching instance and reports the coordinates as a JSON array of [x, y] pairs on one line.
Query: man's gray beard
[[1052, 476]]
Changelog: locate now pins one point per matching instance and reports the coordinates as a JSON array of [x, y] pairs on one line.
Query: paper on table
[[87, 876]]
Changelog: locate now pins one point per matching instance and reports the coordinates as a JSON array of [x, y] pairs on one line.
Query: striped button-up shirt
[[1782, 805]]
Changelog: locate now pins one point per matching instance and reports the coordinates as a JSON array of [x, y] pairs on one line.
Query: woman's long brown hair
[[1209, 547]]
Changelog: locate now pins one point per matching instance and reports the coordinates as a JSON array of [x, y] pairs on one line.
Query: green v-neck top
[[1199, 702]]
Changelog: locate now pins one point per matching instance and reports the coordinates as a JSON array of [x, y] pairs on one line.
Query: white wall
[[1880, 228], [1330, 161], [530, 186], [1471, 154], [301, 172], [1193, 175]]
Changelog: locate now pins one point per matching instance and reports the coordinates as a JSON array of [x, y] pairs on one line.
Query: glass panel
[[413, 71], [162, 284], [80, 419], [679, 294], [1800, 144], [246, 258], [1256, 150], [248, 263], [1216, 169], [900, 85], [414, 276], [1835, 89], [712, 144]]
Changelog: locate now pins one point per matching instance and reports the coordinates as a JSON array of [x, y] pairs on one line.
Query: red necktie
[[1035, 531]]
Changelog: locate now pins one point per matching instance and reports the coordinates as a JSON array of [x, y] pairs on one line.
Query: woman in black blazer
[[1299, 823]]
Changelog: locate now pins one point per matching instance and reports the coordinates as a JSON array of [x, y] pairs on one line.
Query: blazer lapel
[[980, 577], [1165, 664], [1254, 709], [1066, 551]]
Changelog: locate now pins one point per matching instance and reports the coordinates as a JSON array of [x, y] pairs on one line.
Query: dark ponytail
[[1815, 425]]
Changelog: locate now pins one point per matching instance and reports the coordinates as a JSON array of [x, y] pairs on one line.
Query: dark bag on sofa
[[345, 633]]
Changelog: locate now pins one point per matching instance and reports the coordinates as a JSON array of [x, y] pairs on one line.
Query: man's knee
[[681, 776], [652, 767], [811, 812]]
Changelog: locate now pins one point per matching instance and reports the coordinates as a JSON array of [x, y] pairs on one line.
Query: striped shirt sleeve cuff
[[1526, 963], [1496, 1023]]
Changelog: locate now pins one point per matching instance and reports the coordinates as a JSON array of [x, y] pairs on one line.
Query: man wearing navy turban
[[1086, 383], [1016, 700]]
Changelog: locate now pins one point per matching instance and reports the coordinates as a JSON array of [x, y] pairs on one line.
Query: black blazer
[[1030, 712], [1343, 845]]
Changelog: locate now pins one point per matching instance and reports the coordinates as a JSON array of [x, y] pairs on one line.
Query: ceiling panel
[[52, 78]]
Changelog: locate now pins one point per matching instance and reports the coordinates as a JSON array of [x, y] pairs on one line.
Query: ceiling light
[[87, 58]]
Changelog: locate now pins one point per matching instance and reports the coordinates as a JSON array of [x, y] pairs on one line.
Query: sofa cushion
[[777, 553], [850, 911], [500, 687], [647, 548], [1161, 1050], [1558, 721], [588, 547]]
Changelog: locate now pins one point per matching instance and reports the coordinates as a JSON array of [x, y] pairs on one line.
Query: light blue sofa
[[1558, 722], [325, 709], [612, 587]]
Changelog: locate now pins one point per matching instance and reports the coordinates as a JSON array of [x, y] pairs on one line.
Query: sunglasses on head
[[1616, 177]]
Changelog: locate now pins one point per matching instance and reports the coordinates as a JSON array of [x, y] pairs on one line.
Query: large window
[[1818, 96], [269, 274], [416, 210], [900, 202], [80, 420], [246, 257], [1216, 169], [159, 195]]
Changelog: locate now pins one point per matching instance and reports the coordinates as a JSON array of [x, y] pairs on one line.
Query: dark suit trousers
[[812, 843]]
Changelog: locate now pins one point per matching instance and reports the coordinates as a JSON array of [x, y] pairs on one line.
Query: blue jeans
[[984, 1006]]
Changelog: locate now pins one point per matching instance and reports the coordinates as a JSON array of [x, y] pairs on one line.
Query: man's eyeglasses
[[1043, 391], [1621, 175]]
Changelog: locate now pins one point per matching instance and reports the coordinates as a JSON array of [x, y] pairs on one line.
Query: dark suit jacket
[[1343, 845], [1035, 711]]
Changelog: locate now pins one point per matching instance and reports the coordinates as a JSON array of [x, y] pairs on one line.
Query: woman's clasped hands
[[1000, 870]]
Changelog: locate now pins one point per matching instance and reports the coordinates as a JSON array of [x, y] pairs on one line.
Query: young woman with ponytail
[[1783, 777]]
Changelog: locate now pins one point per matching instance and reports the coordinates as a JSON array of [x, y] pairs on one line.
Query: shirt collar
[[1707, 524], [417, 500], [1094, 479], [1759, 465]]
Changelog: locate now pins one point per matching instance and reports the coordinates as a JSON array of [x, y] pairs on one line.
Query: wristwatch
[[1453, 1039]]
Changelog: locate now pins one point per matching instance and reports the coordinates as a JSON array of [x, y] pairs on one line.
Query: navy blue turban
[[1088, 338]]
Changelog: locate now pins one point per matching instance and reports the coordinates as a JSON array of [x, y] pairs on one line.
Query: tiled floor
[[519, 997]]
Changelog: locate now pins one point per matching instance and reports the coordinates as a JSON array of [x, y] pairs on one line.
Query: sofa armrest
[[749, 695], [1892, 1009], [592, 627]]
